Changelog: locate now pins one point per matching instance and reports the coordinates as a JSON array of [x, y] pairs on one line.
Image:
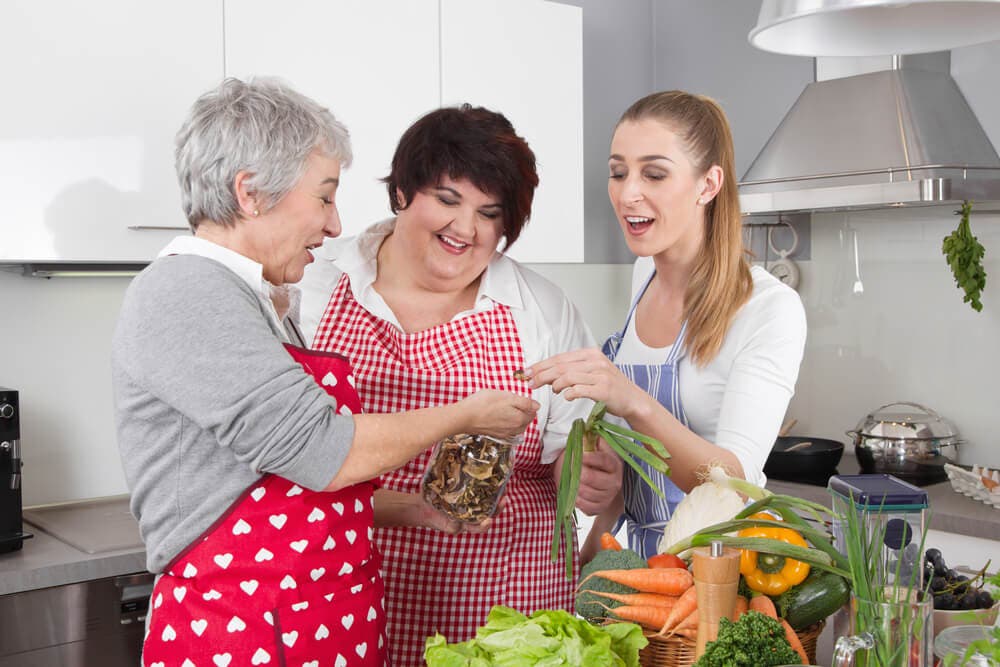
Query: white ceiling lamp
[[873, 27]]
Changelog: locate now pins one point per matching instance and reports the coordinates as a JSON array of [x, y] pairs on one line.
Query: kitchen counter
[[46, 561], [949, 511]]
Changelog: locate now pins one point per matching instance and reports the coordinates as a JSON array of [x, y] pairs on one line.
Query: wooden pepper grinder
[[716, 573]]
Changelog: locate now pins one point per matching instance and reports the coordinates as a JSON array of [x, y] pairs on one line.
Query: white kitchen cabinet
[[374, 63], [524, 59], [93, 95], [96, 92], [381, 64]]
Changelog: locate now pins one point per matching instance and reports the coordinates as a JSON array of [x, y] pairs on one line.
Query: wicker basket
[[679, 651]]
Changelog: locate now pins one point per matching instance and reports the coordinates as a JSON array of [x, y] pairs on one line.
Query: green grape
[[964, 253]]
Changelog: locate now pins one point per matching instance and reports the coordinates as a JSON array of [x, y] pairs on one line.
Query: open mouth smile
[[452, 244], [638, 223]]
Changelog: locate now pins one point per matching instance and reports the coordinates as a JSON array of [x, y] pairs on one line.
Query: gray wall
[[618, 63], [634, 47], [701, 46]]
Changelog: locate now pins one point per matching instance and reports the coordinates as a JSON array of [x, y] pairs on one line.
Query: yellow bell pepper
[[770, 573]]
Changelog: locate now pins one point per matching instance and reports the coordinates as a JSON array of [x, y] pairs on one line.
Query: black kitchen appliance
[[11, 534]]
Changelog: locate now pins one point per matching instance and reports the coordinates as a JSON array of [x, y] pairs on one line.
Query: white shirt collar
[[247, 269], [358, 257]]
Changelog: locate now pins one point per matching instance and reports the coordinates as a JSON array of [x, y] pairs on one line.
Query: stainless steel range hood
[[904, 136]]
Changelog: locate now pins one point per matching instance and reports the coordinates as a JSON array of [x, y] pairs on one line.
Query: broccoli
[[755, 640], [587, 603]]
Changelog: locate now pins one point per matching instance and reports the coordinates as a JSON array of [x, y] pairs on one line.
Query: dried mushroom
[[466, 476]]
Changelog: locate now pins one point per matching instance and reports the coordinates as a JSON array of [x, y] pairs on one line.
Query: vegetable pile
[[583, 434], [548, 638], [965, 254], [791, 574], [664, 601]]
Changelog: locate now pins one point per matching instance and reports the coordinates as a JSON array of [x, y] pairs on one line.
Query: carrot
[[741, 607], [688, 622], [665, 580], [640, 599], [689, 633], [608, 541], [794, 640], [686, 604], [648, 617], [764, 605]]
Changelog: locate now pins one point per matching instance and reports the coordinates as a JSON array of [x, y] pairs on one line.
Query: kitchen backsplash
[[906, 337]]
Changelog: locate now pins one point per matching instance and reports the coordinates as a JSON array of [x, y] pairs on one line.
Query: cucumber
[[821, 594]]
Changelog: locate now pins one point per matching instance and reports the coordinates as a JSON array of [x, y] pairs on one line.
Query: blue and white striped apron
[[646, 512]]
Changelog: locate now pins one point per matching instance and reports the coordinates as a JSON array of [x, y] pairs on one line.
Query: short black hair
[[471, 143]]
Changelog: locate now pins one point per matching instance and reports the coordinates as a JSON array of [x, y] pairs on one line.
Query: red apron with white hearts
[[437, 582], [285, 577]]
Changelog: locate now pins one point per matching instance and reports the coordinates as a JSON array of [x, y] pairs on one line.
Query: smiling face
[[285, 235], [448, 233], [658, 194]]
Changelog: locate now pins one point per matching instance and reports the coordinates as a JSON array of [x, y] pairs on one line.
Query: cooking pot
[[803, 459], [906, 440]]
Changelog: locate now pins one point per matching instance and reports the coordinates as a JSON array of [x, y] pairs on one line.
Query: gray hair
[[260, 126]]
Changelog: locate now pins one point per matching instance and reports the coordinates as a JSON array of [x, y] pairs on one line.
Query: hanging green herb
[[582, 438], [965, 257]]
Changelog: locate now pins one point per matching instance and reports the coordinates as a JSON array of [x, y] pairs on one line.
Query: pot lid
[[906, 421]]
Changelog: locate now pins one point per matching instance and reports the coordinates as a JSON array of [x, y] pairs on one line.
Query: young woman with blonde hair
[[710, 351]]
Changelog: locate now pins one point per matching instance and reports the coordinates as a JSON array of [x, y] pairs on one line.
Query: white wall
[[55, 346]]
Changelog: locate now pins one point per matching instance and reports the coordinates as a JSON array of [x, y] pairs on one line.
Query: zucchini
[[821, 594]]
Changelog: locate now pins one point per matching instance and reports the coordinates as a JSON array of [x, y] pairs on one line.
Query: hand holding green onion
[[631, 446]]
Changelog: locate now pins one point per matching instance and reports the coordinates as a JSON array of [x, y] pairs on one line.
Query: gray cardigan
[[207, 400]]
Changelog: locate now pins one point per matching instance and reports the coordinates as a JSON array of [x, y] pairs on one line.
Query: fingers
[[600, 461], [600, 480], [526, 404], [545, 371]]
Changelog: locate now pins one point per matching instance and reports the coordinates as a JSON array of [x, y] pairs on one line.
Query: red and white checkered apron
[[437, 582], [286, 577]]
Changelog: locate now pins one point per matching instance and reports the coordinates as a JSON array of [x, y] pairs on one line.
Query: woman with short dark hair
[[428, 310]]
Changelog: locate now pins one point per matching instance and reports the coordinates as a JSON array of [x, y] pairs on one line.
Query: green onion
[[582, 437]]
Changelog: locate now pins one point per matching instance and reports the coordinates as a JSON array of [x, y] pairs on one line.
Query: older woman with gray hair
[[247, 457]]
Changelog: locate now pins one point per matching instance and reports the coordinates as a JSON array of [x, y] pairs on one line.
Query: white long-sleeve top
[[737, 400], [547, 321]]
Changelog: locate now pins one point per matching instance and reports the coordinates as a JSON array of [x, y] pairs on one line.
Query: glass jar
[[467, 475], [895, 631]]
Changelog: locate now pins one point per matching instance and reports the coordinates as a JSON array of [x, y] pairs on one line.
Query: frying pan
[[800, 458]]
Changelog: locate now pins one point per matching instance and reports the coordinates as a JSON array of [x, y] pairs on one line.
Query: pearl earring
[[256, 213]]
